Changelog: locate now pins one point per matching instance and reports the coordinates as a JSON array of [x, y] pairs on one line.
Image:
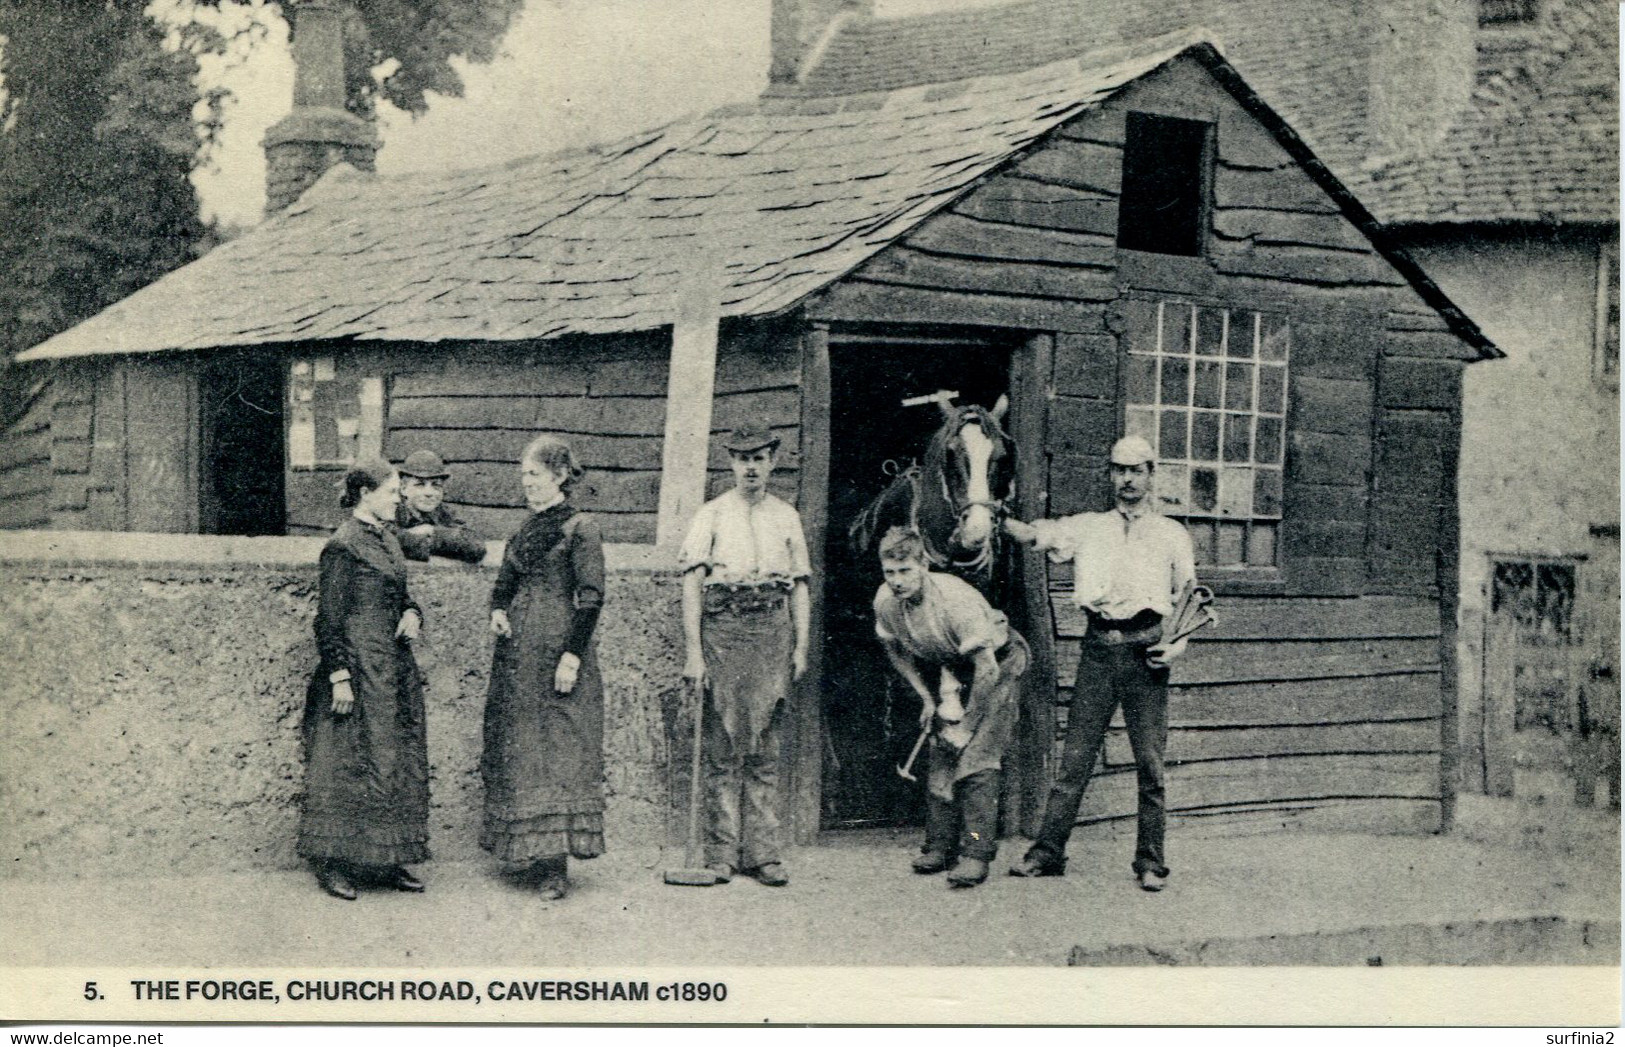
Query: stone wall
[[150, 708]]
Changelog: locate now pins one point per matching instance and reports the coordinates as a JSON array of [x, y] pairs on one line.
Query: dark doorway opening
[[242, 451], [870, 716]]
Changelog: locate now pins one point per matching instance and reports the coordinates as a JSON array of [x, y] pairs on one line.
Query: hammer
[[908, 766]]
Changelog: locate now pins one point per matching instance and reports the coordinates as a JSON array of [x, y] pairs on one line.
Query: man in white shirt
[[1130, 566], [745, 621], [934, 624]]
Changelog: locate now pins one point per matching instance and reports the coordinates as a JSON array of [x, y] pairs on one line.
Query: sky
[[570, 73]]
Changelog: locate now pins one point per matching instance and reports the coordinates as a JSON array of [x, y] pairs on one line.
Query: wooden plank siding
[[1324, 684], [27, 473], [478, 406]]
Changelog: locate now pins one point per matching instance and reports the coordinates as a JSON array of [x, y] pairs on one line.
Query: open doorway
[[241, 444], [870, 716]]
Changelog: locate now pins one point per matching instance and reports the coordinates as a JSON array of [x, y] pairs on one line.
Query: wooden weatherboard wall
[[108, 445], [478, 405], [1325, 696]]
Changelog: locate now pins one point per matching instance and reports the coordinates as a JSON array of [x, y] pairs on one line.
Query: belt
[[1143, 628], [749, 587], [744, 599]]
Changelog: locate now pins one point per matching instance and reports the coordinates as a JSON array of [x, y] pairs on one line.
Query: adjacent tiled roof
[[791, 193], [1538, 141]]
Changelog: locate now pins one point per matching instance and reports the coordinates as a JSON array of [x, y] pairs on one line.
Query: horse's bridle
[[983, 560]]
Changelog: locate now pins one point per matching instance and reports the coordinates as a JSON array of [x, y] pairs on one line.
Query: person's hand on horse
[[422, 530], [1158, 656], [411, 622], [1025, 533], [798, 663], [500, 624]]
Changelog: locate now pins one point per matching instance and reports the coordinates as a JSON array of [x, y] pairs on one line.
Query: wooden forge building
[[1131, 241]]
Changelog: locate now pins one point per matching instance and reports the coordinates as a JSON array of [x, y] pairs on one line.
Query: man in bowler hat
[[426, 526], [745, 614]]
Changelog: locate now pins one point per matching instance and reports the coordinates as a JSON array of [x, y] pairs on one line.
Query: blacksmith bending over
[[1130, 566], [745, 614], [928, 622], [426, 526]]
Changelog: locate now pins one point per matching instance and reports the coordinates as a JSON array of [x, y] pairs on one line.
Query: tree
[[102, 123]]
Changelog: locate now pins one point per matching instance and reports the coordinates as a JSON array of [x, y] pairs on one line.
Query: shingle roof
[[787, 195], [1536, 143], [793, 194]]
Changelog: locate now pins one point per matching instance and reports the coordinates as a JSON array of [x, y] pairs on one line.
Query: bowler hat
[[750, 437], [424, 465]]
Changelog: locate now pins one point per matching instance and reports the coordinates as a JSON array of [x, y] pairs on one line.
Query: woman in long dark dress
[[366, 807], [543, 762]]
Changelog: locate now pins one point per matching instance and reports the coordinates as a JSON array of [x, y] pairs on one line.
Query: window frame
[[302, 374], [1233, 579], [1607, 279], [1206, 159]]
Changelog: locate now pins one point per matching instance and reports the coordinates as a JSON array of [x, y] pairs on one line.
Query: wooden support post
[[1449, 582], [1030, 373], [687, 444], [807, 732]]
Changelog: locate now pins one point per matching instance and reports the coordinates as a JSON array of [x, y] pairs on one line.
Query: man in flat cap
[[1130, 567], [745, 615], [425, 525]]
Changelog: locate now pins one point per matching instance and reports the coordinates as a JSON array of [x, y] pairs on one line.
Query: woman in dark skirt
[[543, 762], [366, 807]]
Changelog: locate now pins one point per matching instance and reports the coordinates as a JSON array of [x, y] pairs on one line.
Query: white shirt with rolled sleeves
[[1121, 565], [743, 544]]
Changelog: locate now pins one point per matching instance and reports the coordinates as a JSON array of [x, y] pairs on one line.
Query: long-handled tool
[[907, 770], [694, 873]]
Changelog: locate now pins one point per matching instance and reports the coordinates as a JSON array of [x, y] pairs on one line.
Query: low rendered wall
[[153, 687]]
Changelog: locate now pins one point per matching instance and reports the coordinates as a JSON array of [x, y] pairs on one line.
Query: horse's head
[[978, 466]]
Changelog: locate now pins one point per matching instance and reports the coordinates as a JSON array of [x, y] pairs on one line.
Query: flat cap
[[1132, 450], [750, 437], [425, 465]]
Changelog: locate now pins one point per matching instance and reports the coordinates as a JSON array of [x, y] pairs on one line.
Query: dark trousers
[[968, 825], [1110, 675]]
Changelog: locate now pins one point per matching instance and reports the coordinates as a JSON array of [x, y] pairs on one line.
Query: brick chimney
[[800, 29], [1423, 67], [319, 132]]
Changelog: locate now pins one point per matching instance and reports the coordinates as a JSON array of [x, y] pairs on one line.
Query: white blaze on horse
[[954, 496]]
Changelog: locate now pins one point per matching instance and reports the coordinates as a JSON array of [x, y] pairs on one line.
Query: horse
[[956, 496]]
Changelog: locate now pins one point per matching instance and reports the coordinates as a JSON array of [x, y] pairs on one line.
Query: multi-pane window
[[1532, 607], [1207, 387], [1507, 12], [334, 416]]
